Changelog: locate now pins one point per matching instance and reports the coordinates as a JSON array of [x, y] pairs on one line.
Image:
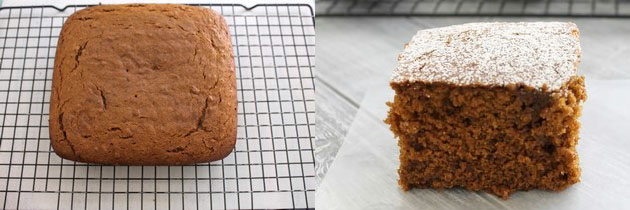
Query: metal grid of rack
[[558, 8], [272, 165]]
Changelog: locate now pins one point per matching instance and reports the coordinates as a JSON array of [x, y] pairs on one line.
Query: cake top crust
[[144, 84], [535, 54]]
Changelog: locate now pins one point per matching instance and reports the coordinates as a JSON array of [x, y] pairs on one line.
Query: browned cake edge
[[493, 139], [215, 148]]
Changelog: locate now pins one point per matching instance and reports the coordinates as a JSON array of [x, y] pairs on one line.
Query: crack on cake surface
[[78, 55], [200, 120], [65, 135], [103, 99]]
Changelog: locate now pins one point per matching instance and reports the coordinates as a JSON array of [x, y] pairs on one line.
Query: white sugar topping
[[494, 54]]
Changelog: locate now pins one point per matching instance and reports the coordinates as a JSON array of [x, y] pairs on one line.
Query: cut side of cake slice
[[489, 107]]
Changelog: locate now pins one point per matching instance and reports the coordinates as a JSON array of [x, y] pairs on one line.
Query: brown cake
[[143, 85], [489, 107]]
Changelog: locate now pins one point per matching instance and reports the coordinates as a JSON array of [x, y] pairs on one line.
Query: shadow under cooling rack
[[271, 167], [557, 8]]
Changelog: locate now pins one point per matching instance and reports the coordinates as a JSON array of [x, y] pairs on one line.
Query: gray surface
[[473, 7], [364, 176], [354, 55]]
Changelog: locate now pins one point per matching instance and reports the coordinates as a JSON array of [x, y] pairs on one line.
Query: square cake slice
[[489, 107], [143, 85]]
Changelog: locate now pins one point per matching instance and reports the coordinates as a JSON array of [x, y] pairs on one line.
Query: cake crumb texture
[[482, 138], [143, 85]]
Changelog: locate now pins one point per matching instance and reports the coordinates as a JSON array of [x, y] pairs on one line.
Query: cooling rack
[[271, 167], [558, 8]]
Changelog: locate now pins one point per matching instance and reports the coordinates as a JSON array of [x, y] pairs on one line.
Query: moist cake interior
[[497, 139]]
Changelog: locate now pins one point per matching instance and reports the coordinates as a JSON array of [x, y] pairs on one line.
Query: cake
[[489, 107], [143, 85]]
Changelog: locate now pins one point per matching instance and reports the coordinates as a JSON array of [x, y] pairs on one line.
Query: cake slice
[[489, 107]]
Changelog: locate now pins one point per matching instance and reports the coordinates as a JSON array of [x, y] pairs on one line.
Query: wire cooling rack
[[272, 165], [580, 8]]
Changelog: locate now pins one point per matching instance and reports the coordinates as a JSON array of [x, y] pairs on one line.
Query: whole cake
[[489, 107], [143, 85]]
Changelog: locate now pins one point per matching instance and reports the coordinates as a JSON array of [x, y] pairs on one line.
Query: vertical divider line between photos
[[309, 122], [297, 132]]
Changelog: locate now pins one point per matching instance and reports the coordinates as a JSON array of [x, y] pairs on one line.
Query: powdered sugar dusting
[[496, 54]]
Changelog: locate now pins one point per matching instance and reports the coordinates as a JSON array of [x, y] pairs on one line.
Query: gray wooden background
[[356, 53]]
